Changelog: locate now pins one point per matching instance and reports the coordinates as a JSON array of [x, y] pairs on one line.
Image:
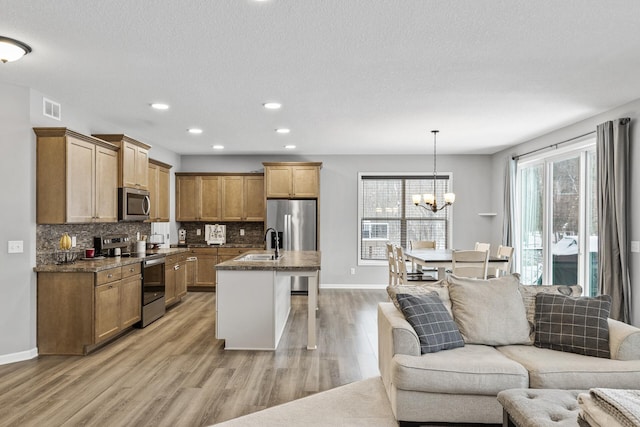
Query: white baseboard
[[350, 286], [5, 359]]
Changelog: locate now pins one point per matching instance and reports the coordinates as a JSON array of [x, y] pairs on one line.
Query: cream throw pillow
[[489, 312]]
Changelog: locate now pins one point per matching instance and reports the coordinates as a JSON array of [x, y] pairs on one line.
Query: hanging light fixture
[[12, 50], [430, 202]]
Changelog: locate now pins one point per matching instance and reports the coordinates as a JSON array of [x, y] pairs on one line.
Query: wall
[[18, 281], [631, 110], [339, 208]]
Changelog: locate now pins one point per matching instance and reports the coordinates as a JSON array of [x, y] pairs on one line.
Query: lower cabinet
[[175, 277], [77, 311], [206, 260]]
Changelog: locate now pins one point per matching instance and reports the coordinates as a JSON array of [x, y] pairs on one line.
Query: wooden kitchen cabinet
[[243, 198], [159, 179], [206, 260], [175, 278], [197, 197], [289, 180], [133, 163], [77, 311], [76, 178]]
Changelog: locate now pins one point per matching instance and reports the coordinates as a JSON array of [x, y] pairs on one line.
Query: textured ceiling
[[354, 76]]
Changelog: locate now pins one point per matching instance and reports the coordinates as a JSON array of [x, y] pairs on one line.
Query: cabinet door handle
[[109, 276], [131, 270], [177, 267]]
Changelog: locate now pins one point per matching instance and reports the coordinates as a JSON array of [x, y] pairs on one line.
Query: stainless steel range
[[153, 289]]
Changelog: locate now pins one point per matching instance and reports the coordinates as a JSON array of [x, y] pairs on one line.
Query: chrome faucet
[[266, 233]]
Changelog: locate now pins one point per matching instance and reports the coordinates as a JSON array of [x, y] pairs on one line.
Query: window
[[557, 220], [387, 213]]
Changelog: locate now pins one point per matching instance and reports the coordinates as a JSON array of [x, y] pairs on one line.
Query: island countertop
[[289, 261]]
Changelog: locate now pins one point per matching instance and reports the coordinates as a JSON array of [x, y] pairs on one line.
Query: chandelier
[[430, 202]]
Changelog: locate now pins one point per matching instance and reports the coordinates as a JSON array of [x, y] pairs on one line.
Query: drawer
[[107, 276], [131, 270], [234, 252]]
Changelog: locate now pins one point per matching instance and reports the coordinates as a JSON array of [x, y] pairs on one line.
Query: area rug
[[362, 403]]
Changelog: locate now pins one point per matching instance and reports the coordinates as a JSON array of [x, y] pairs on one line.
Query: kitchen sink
[[258, 257]]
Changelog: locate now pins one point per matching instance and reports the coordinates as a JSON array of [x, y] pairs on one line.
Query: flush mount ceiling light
[[159, 106], [272, 105], [195, 131], [430, 202], [290, 147], [218, 147], [283, 130], [12, 50]]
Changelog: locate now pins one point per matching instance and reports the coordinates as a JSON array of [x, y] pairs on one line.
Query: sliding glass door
[[557, 229]]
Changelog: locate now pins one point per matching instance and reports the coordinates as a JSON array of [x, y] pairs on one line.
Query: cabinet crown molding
[[119, 138], [63, 131]]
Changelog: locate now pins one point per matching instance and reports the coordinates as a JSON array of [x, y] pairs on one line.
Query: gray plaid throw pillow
[[431, 321], [573, 324]]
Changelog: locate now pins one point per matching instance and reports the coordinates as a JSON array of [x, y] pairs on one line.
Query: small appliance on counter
[[182, 236], [215, 234], [111, 245]]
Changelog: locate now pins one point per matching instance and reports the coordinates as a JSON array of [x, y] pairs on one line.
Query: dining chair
[[393, 265], [503, 252], [482, 246], [470, 263], [422, 244]]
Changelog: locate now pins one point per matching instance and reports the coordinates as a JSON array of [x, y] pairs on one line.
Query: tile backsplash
[[48, 236], [253, 232]]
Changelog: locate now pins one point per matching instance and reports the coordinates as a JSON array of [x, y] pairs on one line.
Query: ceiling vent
[[51, 109]]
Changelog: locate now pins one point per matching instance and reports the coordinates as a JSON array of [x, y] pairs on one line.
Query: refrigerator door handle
[[287, 232]]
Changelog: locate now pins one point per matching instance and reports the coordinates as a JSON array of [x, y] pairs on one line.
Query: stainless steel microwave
[[133, 204]]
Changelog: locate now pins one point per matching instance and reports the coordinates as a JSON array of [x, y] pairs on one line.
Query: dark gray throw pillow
[[573, 324], [431, 321]]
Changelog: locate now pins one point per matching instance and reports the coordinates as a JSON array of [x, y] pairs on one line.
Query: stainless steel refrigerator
[[296, 223]]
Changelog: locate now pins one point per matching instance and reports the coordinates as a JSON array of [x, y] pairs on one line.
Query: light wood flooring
[[175, 373]]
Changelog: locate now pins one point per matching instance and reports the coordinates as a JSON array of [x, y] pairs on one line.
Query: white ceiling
[[354, 76]]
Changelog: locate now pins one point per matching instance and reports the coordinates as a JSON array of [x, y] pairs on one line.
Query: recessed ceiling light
[[283, 130], [195, 131], [272, 105], [290, 147], [159, 106], [218, 147]]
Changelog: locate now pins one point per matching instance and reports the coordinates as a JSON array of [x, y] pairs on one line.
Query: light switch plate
[[16, 246], [198, 231], [635, 246], [242, 231]]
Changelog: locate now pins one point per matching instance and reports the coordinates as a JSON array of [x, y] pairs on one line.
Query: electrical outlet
[[198, 232], [635, 246], [242, 231], [353, 270], [16, 246], [74, 241], [137, 235]]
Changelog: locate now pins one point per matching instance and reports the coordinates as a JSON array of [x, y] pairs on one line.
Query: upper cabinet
[[197, 197], [159, 178], [76, 178], [219, 197], [134, 160], [243, 198], [292, 180]]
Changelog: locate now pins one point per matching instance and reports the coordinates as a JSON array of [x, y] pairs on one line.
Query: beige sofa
[[460, 385]]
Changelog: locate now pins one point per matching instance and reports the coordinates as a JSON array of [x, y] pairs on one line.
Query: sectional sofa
[[459, 385]]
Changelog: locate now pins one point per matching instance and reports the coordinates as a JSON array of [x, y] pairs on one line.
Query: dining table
[[442, 259]]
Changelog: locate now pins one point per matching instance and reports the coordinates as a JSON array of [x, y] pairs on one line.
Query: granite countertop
[[93, 266], [289, 261]]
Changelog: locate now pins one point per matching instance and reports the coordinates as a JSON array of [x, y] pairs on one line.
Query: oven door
[[153, 289]]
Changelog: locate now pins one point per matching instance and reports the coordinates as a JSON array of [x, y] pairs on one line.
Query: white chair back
[[470, 264]]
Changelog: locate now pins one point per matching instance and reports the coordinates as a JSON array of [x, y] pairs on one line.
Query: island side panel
[[245, 309], [282, 303]]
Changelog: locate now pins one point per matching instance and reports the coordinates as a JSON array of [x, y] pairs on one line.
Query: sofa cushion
[[529, 293], [432, 322], [556, 369], [489, 311], [574, 324], [441, 287], [472, 369]]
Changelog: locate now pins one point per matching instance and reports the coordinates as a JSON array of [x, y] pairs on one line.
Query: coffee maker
[[111, 245]]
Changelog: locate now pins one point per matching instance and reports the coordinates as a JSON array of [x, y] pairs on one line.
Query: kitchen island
[[253, 298]]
